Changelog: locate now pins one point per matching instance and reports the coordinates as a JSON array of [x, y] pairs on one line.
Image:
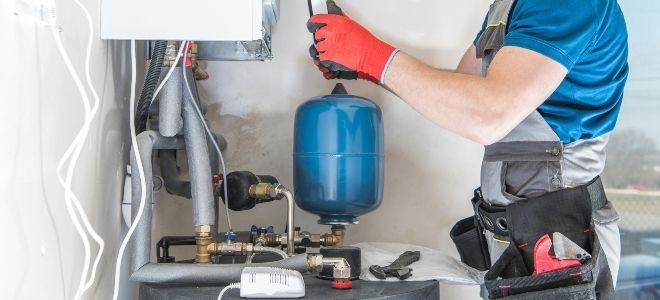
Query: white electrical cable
[[73, 153], [210, 134], [93, 113], [143, 184], [169, 72], [229, 287]]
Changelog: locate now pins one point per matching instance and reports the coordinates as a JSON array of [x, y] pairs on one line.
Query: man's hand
[[346, 50]]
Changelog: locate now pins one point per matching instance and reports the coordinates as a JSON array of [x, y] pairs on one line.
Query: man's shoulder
[[576, 7]]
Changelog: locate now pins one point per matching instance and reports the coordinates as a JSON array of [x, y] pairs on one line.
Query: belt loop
[[478, 194], [477, 201]]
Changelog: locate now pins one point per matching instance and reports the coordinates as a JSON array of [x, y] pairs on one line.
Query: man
[[541, 88]]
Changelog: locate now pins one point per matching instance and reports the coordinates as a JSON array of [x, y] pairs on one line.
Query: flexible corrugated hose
[[150, 84]]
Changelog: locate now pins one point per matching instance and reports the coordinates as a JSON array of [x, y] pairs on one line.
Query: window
[[632, 173]]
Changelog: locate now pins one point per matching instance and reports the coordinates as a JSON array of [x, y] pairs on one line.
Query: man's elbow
[[488, 137], [493, 127]]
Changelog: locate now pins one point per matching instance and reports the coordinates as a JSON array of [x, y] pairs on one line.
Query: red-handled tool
[[544, 262]]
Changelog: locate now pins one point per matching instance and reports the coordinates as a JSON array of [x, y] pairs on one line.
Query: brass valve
[[200, 74], [230, 248], [202, 239]]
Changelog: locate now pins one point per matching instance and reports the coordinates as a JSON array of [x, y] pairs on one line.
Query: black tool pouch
[[592, 280], [468, 236], [569, 212], [471, 244]]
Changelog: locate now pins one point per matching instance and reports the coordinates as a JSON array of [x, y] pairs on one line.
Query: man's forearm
[[482, 109], [458, 102]]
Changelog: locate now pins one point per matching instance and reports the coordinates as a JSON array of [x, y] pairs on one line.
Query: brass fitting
[[230, 248], [194, 50], [341, 269], [315, 262], [339, 232], [262, 191], [170, 54], [328, 240], [200, 74], [336, 238], [202, 239]]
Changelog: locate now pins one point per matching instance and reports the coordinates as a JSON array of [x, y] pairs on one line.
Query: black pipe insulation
[[150, 84], [238, 189], [169, 169]]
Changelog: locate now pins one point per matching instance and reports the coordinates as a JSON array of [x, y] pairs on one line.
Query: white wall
[[41, 111], [430, 173]]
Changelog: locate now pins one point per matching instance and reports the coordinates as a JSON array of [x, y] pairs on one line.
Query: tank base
[[338, 220]]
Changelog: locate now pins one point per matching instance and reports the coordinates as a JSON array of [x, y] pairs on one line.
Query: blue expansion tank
[[338, 157]]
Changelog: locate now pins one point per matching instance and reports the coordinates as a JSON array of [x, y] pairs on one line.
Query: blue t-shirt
[[588, 37]]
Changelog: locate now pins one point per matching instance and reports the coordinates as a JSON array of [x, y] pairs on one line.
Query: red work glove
[[346, 50]]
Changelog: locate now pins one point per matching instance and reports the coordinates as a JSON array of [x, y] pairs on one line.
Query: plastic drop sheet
[[432, 265]]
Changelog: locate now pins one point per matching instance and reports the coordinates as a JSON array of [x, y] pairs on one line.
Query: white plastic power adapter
[[266, 282]]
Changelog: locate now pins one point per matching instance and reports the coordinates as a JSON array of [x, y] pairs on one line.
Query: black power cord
[[150, 85]]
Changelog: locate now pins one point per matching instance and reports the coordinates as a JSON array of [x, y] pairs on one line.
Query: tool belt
[[521, 225]]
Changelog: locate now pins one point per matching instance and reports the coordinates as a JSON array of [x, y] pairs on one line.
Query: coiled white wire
[[72, 154]]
